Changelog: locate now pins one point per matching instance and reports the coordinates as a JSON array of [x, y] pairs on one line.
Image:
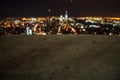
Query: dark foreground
[[66, 57]]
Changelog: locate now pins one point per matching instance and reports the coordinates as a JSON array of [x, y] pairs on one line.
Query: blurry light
[[82, 27], [49, 10]]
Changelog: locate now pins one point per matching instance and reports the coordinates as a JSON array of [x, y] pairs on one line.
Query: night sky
[[41, 8]]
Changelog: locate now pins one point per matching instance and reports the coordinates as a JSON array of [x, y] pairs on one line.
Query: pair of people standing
[[28, 31]]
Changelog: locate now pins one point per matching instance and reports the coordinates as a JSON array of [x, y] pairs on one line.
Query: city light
[[61, 25]]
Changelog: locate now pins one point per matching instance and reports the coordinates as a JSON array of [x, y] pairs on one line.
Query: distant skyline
[[39, 8]]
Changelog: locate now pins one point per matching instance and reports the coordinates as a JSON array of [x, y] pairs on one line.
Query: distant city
[[60, 25]]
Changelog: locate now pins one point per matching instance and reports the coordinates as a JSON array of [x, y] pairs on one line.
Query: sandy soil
[[66, 57]]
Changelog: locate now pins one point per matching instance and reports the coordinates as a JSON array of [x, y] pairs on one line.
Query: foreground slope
[[66, 57]]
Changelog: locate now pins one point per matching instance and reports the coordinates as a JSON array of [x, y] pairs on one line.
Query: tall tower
[[66, 15]]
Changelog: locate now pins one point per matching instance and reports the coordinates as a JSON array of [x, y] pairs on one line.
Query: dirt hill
[[66, 57]]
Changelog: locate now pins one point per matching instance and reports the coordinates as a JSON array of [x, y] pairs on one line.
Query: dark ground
[[66, 57]]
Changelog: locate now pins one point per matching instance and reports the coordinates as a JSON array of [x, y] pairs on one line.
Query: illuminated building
[[66, 15]]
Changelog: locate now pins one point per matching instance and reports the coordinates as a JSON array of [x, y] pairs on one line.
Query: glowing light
[[71, 1], [49, 10]]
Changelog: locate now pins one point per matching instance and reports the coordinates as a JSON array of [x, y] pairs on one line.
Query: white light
[[82, 27], [49, 10]]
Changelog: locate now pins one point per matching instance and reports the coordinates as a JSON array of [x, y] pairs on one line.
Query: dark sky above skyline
[[38, 8]]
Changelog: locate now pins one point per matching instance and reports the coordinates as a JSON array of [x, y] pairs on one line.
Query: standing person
[[28, 30]]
